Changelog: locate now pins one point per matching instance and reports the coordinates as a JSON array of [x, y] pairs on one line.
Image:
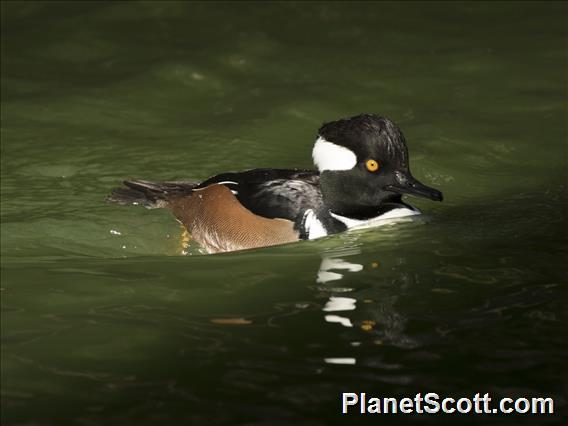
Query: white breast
[[392, 216]]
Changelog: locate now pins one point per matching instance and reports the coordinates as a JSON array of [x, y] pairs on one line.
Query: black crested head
[[366, 135], [364, 166]]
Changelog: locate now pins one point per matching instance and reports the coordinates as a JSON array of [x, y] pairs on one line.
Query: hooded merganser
[[362, 174]]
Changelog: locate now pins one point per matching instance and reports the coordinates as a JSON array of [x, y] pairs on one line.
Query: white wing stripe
[[314, 228]]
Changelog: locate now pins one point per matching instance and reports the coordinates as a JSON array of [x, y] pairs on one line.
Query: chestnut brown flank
[[219, 222]]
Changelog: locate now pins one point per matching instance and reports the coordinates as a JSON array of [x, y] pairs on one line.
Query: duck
[[362, 173]]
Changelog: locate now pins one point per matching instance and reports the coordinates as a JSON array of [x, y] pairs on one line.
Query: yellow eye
[[372, 165]]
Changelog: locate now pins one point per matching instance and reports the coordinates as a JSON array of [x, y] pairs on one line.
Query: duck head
[[363, 165]]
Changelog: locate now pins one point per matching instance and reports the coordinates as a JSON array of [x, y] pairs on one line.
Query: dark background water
[[104, 321]]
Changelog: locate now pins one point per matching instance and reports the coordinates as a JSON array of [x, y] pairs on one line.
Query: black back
[[273, 193]]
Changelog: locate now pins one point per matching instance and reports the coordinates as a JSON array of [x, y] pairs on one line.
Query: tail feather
[[149, 194]]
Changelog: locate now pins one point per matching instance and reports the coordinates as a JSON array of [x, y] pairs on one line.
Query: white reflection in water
[[345, 322], [348, 361], [334, 260], [333, 268], [328, 263], [335, 303]]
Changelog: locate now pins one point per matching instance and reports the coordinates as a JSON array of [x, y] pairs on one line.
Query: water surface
[[104, 321]]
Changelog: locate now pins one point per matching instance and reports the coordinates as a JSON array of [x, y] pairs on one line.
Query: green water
[[105, 322]]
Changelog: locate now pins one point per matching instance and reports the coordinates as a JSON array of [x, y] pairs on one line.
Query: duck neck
[[344, 200]]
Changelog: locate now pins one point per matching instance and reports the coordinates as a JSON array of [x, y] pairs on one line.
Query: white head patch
[[329, 156]]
